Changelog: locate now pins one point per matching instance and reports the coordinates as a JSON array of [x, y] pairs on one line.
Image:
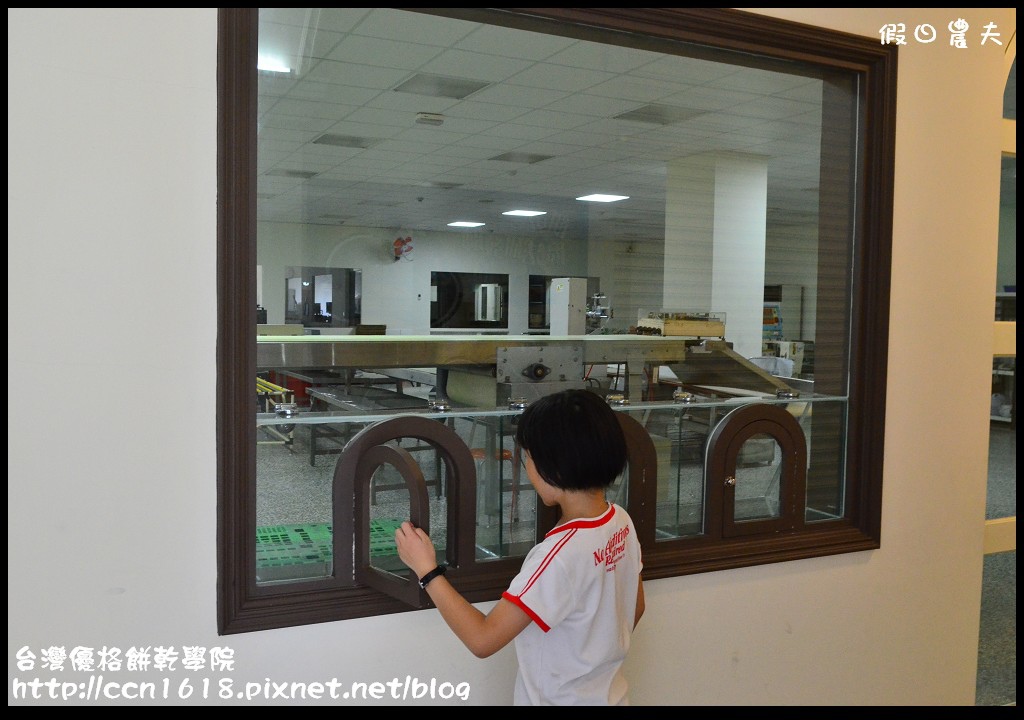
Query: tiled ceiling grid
[[549, 119]]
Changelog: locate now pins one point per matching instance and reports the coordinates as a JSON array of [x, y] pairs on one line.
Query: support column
[[715, 215]]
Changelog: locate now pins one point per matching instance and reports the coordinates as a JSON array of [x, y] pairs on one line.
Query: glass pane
[[671, 192], [679, 437], [824, 424], [758, 469], [506, 518], [293, 506], [356, 148], [468, 301], [295, 479], [322, 298], [389, 506]]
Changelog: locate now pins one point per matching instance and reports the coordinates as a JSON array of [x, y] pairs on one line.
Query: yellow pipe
[[268, 386]]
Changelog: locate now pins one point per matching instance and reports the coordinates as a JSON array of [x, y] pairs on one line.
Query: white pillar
[[715, 215]]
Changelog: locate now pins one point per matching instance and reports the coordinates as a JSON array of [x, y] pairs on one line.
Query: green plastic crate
[[304, 551]]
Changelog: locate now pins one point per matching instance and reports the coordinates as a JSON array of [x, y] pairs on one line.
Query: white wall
[[397, 293], [111, 406]]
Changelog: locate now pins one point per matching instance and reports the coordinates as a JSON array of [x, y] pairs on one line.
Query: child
[[574, 604]]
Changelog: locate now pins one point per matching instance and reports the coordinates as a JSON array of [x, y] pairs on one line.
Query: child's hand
[[415, 549]]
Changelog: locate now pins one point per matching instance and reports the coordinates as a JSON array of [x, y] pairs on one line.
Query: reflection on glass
[[728, 205], [720, 166]]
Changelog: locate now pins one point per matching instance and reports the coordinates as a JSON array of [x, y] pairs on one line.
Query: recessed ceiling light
[[598, 197], [464, 223], [272, 65], [524, 213]]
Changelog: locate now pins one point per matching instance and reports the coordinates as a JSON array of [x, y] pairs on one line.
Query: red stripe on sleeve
[[547, 560], [518, 602]]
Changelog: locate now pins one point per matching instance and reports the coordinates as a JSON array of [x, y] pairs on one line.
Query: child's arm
[[483, 634]]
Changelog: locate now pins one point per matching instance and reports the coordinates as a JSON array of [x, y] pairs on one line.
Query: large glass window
[[687, 212]]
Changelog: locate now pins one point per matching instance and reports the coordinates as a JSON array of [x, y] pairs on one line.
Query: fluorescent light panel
[[441, 86], [346, 141], [272, 65], [521, 157], [656, 114], [442, 185], [303, 174], [598, 197], [524, 213], [465, 223]]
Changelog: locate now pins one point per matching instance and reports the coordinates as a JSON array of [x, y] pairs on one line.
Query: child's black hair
[[574, 439]]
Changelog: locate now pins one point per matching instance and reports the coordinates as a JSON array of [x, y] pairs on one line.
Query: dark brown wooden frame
[[244, 607]]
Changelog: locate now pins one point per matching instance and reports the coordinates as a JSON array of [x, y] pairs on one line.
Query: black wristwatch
[[436, 572]]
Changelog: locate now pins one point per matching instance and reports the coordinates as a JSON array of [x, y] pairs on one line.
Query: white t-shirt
[[579, 586]]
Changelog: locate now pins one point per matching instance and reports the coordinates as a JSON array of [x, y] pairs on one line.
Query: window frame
[[243, 606]]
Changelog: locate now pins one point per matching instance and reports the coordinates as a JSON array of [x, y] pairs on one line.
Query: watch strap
[[436, 572]]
